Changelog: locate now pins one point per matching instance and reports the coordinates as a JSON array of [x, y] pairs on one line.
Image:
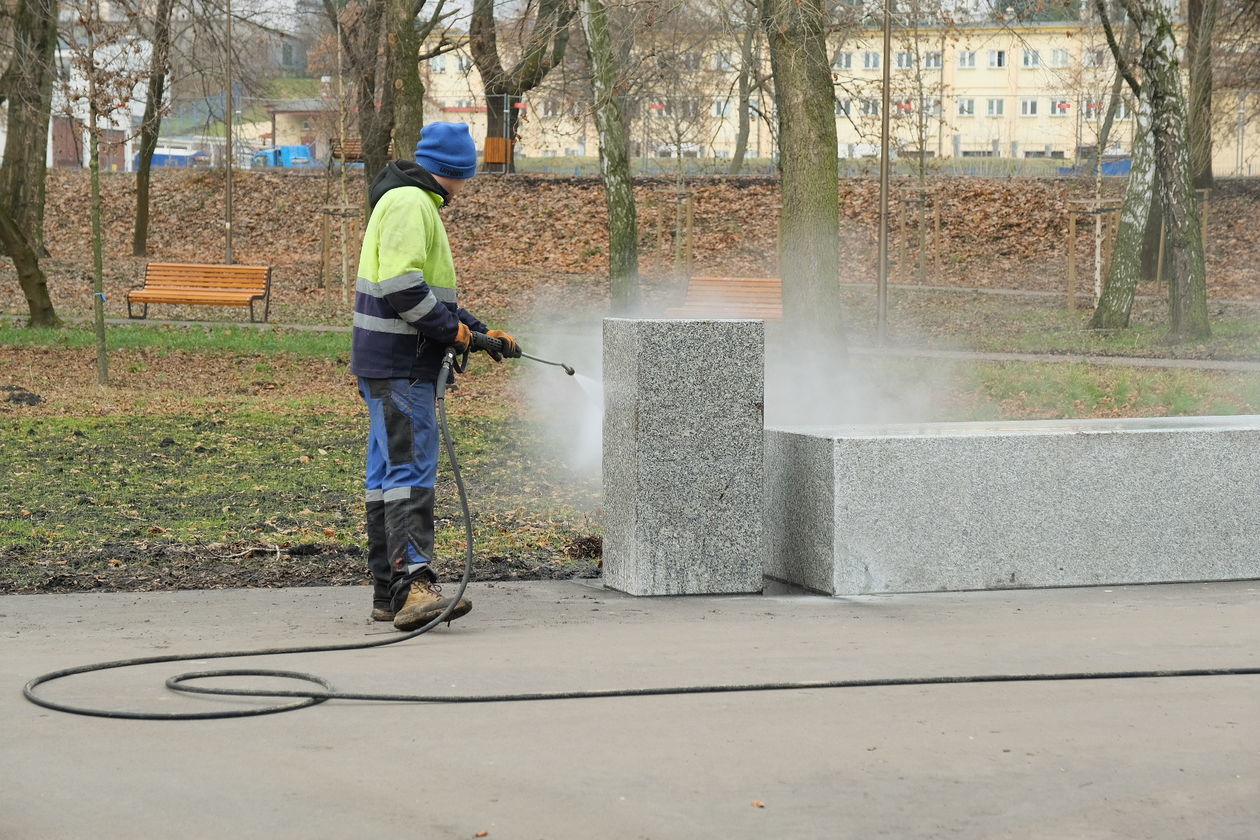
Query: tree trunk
[[27, 87], [30, 275], [543, 49], [98, 262], [1187, 273], [408, 86], [796, 32], [614, 157], [1116, 303], [151, 123], [747, 71], [1200, 26]]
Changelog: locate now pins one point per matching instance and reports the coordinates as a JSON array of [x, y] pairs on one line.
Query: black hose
[[303, 699]]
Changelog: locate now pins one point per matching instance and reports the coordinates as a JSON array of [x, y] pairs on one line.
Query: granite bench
[[955, 506]]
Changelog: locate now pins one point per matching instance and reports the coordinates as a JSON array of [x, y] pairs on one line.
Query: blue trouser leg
[[401, 469]]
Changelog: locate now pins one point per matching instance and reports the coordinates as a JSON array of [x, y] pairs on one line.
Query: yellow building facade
[[1031, 91]]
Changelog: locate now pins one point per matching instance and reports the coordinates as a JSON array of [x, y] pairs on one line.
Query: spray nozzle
[[481, 341]]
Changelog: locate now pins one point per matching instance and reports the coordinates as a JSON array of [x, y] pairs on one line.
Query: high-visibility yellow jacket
[[405, 309]]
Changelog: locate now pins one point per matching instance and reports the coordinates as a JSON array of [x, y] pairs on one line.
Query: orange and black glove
[[463, 338], [511, 350]]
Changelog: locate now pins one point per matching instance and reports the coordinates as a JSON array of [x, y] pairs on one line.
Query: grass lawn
[[232, 456]]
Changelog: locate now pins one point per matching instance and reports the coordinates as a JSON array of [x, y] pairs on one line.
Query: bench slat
[[203, 284], [732, 297]]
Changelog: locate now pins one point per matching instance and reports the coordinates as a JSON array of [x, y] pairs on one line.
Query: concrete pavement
[[1101, 759]]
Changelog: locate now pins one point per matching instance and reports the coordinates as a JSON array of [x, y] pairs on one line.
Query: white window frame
[[844, 107], [870, 60], [842, 61], [1032, 58], [1028, 106], [1060, 107], [933, 60], [1060, 58], [437, 64], [995, 107], [905, 60], [1095, 57], [966, 107], [869, 107], [722, 108], [966, 59], [1094, 110], [997, 59]]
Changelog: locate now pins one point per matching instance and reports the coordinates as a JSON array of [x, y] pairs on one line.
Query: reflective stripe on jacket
[[405, 310]]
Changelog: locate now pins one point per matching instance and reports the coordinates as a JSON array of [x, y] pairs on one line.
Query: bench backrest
[[751, 295], [349, 150], [197, 276]]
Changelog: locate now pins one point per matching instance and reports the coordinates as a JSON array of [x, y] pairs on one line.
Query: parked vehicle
[[175, 157], [284, 156]]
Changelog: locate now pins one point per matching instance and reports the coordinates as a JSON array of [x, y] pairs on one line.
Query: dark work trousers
[[402, 455]]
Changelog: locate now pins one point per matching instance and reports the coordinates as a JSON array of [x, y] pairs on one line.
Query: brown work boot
[[382, 611], [425, 603]]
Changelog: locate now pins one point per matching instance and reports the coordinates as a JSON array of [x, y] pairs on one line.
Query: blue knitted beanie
[[447, 149]]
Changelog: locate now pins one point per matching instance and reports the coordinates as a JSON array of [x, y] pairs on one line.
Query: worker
[[405, 318]]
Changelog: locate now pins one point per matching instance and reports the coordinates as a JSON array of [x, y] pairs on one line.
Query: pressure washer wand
[[481, 341]]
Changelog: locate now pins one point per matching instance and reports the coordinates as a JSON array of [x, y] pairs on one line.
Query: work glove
[[511, 350], [463, 338]]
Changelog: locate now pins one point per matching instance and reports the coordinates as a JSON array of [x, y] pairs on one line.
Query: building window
[[966, 59], [844, 107], [1032, 58], [933, 60], [870, 107], [905, 60], [1060, 58], [722, 62], [1122, 111], [930, 106], [997, 58], [1094, 57], [902, 109], [437, 64], [870, 60], [995, 107], [966, 107], [721, 107], [550, 108], [465, 64], [1095, 110], [842, 61], [1028, 107], [1060, 107]]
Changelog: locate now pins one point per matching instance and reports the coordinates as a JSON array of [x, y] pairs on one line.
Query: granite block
[[951, 506], [683, 449]]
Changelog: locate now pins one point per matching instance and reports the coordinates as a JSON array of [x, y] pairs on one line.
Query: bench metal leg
[[144, 314]]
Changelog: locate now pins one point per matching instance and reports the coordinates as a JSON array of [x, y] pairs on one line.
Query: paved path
[[1138, 758]]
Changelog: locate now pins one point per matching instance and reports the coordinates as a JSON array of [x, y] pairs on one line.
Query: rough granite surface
[[952, 506], [683, 454]]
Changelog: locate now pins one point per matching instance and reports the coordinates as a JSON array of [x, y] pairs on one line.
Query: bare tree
[[381, 41], [796, 32], [541, 37], [26, 90], [1170, 175], [151, 122], [623, 229]]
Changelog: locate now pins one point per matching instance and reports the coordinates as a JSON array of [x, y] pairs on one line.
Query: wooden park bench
[[731, 297], [204, 285], [349, 150]]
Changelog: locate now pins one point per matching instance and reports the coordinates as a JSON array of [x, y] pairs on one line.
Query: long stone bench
[[951, 506]]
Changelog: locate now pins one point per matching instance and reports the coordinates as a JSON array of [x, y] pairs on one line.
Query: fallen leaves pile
[[518, 239]]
